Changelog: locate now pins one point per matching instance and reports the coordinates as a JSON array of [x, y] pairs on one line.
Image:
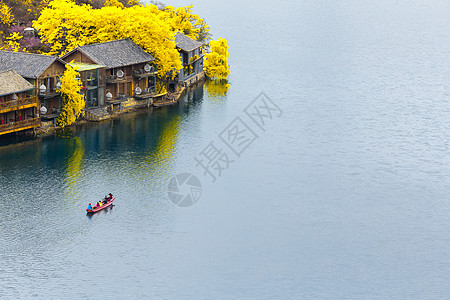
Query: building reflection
[[137, 148]]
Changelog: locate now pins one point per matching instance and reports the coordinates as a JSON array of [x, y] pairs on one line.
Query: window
[[91, 79]]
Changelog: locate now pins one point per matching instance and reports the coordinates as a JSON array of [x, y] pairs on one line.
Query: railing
[[13, 126], [18, 102], [114, 78], [48, 93], [51, 114], [118, 98], [91, 82], [146, 93], [142, 73]]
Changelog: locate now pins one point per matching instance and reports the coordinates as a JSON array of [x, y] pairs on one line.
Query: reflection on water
[[159, 160], [345, 196], [217, 88], [74, 167], [46, 184]]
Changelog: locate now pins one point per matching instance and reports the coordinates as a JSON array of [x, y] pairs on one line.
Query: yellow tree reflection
[[74, 167], [218, 88], [159, 160]]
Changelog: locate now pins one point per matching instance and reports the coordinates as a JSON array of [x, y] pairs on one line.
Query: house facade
[[92, 77], [191, 55], [18, 105], [43, 72], [122, 69]]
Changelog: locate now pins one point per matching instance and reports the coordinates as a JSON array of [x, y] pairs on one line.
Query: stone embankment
[[97, 114]]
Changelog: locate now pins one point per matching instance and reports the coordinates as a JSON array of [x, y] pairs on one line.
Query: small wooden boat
[[99, 208]]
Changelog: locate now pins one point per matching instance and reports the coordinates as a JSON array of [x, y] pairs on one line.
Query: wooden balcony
[[119, 98], [114, 79], [145, 94], [92, 82], [142, 73], [50, 93], [18, 104], [20, 125], [185, 64]]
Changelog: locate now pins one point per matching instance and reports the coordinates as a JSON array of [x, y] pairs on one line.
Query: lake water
[[344, 193]]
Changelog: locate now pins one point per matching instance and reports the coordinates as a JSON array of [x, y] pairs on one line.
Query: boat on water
[[99, 208]]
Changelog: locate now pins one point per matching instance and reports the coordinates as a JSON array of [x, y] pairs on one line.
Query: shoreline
[[109, 112]]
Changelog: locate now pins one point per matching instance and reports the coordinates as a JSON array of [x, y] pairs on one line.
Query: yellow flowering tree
[[23, 10], [66, 25], [161, 86], [12, 42], [6, 17], [132, 2], [114, 3], [73, 101], [183, 19], [216, 62]]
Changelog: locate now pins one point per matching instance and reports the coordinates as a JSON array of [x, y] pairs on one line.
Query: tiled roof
[[26, 64], [115, 54], [11, 82], [186, 43]]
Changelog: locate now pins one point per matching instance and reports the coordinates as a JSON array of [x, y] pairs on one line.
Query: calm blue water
[[344, 196]]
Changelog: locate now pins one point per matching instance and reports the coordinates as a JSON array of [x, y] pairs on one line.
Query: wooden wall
[[79, 57]]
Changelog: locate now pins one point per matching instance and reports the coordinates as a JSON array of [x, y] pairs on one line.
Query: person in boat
[[100, 204], [89, 206], [105, 200], [110, 196]]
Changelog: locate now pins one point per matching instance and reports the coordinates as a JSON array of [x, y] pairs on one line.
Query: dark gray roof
[[186, 43], [26, 64], [11, 82], [115, 54]]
